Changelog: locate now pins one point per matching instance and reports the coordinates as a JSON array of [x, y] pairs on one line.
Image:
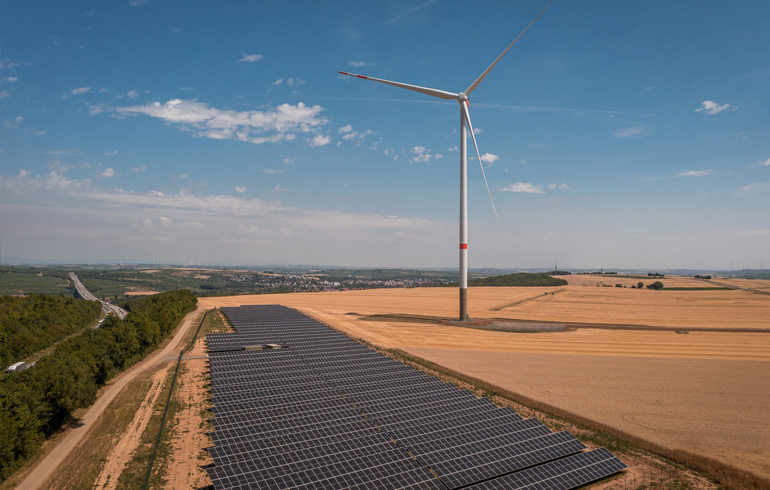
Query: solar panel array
[[327, 412]]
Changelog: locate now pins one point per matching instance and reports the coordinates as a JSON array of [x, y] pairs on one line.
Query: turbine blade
[[486, 72], [467, 116], [414, 88]]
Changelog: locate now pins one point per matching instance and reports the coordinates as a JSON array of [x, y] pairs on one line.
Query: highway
[[86, 294]]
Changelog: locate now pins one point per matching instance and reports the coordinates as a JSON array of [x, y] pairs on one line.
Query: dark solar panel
[[327, 412]]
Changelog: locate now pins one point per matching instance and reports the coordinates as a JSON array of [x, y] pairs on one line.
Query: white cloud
[[273, 171], [423, 155], [140, 169], [209, 122], [81, 90], [711, 108], [132, 94], [240, 190], [454, 148], [477, 131], [489, 159], [19, 119], [165, 222], [628, 132], [281, 189], [358, 64], [560, 187], [345, 129], [23, 173], [319, 140], [111, 153], [183, 176], [4, 94], [524, 187], [250, 58], [10, 79], [694, 173], [766, 163], [108, 172], [278, 82], [138, 3], [288, 161]]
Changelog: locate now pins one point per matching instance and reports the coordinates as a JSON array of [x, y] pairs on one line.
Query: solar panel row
[[328, 412]]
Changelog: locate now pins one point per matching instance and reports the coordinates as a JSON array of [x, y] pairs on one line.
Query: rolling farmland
[[703, 392]]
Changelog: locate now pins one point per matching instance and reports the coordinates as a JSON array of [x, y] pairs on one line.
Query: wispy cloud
[[695, 173], [4, 94], [111, 153], [561, 187], [108, 172], [525, 187], [423, 154], [291, 82], [757, 188], [140, 169], [250, 126], [281, 189], [766, 163], [250, 58], [712, 108], [212, 208], [76, 91], [629, 132], [359, 64], [240, 189], [10, 79], [138, 3]]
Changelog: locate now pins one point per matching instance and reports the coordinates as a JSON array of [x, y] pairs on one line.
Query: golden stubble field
[[703, 392]]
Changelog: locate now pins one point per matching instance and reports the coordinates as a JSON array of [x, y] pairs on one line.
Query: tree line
[[30, 324], [519, 279], [37, 402]]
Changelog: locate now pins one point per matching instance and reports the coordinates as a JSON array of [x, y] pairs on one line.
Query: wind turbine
[[465, 119]]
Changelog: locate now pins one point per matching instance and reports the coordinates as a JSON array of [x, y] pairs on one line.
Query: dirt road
[[46, 467]]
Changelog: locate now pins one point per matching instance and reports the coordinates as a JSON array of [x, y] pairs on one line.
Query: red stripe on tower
[[463, 246], [361, 76]]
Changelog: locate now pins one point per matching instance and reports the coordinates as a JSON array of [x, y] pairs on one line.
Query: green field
[[26, 280]]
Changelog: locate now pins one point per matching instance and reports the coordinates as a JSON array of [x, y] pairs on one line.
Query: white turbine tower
[[465, 118]]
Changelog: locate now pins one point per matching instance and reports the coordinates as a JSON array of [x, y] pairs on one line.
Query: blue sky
[[615, 134]]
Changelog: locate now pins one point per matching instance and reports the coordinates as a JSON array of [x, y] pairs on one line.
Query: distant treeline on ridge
[[525, 279]]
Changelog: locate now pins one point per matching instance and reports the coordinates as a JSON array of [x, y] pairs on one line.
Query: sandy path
[[122, 451], [43, 470]]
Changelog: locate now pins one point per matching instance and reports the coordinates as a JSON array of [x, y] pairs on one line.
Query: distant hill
[[523, 279]]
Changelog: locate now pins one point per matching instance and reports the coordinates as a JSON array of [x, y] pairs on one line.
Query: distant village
[[306, 283]]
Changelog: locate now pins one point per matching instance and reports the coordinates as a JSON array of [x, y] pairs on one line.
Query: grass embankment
[[133, 476]]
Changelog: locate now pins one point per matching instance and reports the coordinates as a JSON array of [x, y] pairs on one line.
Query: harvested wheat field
[[704, 392]]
